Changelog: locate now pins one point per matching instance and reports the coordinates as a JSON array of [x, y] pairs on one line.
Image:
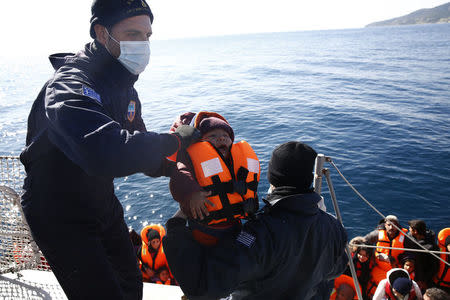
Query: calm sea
[[376, 100]]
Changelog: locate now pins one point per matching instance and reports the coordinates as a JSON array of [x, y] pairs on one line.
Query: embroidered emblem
[[87, 91], [131, 110], [246, 239]]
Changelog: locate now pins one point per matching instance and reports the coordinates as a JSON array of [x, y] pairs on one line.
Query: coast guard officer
[[84, 130]]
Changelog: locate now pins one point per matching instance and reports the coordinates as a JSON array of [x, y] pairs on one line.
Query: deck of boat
[[31, 284]]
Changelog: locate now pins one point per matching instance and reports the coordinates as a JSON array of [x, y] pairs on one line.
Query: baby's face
[[164, 275], [220, 139]]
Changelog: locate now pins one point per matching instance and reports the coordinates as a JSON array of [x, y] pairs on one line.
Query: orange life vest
[[376, 275], [146, 259], [343, 279], [159, 281], [233, 191], [397, 242], [442, 278]]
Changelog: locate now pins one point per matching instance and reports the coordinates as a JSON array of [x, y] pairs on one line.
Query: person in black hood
[[85, 129], [291, 250]]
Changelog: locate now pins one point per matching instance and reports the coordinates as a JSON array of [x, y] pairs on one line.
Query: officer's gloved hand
[[187, 135]]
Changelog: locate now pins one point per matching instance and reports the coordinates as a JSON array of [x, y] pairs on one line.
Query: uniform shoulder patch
[[131, 111], [246, 239], [87, 91]]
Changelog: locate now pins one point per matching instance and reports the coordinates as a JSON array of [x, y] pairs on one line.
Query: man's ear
[[101, 33]]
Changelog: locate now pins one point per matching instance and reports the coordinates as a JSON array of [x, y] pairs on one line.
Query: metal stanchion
[[326, 172]]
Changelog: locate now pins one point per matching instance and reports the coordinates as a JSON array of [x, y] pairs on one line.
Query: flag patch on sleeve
[[87, 91], [246, 239]]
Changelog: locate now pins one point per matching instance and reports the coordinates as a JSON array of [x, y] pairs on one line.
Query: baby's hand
[[197, 204], [150, 272]]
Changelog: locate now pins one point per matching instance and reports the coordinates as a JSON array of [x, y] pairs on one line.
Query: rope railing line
[[395, 248], [329, 160]]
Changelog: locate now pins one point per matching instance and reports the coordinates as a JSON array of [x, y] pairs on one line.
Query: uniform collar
[[290, 199]]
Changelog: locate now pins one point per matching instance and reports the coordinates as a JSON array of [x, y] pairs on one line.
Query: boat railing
[[18, 251]]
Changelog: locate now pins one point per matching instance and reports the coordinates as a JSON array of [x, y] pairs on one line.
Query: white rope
[[328, 159], [394, 248]]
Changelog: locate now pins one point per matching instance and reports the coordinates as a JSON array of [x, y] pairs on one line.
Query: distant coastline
[[438, 14]]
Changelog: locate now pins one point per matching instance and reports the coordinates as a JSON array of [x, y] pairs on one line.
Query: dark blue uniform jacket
[[85, 129], [291, 251]]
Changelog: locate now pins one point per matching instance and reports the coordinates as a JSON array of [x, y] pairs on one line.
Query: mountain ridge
[[438, 14]]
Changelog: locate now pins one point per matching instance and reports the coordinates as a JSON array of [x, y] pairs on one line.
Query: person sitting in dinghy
[[426, 265], [216, 179], [364, 262], [387, 235], [397, 286]]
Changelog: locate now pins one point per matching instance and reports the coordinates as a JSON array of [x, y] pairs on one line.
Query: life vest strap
[[229, 187], [441, 278], [246, 208]]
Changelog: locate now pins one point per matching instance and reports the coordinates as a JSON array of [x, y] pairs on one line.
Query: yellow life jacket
[[234, 188], [442, 278]]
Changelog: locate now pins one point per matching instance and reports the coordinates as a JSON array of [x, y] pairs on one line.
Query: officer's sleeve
[[80, 127], [212, 272]]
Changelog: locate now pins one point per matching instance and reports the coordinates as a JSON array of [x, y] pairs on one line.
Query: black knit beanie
[[292, 164], [111, 12], [152, 234]]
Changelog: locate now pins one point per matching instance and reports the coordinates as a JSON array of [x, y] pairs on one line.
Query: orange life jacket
[[390, 295], [233, 191], [442, 278], [397, 242], [376, 275], [358, 266], [146, 260], [343, 279], [159, 281]]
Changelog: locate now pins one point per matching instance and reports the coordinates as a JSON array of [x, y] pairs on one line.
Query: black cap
[[402, 285], [111, 12], [292, 164]]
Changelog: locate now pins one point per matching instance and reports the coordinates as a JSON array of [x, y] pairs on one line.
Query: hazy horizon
[[33, 30]]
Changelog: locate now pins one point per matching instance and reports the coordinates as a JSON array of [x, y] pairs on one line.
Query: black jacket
[[85, 129], [291, 251], [426, 266]]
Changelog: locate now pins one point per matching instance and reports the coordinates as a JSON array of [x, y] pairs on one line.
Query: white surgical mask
[[134, 55]]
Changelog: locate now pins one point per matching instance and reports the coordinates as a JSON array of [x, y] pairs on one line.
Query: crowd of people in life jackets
[[385, 273]]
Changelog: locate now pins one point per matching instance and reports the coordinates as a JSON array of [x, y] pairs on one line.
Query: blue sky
[[59, 25]]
